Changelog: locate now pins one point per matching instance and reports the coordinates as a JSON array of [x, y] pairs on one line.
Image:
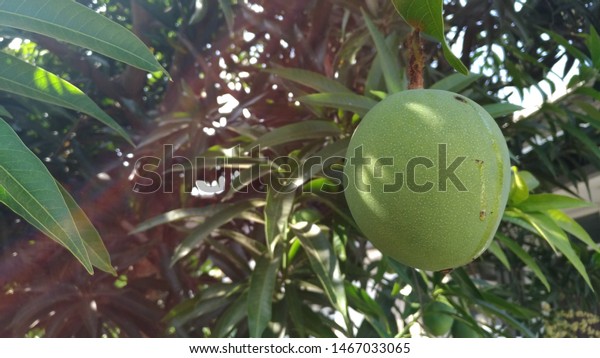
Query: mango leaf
[[323, 262], [502, 314], [555, 236], [178, 214], [310, 79], [592, 41], [583, 138], [497, 110], [525, 257], [346, 101], [28, 188], [426, 16], [19, 77], [206, 228], [311, 129], [568, 47], [94, 246], [71, 22], [231, 317], [226, 7], [542, 202], [496, 250], [277, 212], [572, 227], [260, 294], [456, 82], [394, 78], [4, 113], [531, 181], [591, 115], [519, 191]]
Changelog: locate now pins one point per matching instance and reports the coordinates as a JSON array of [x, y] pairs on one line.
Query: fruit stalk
[[416, 60]]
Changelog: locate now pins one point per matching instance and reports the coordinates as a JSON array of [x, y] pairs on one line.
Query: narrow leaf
[[592, 42], [207, 227], [456, 82], [323, 262], [572, 227], [260, 294], [277, 212], [542, 202], [394, 78], [346, 101], [71, 22], [4, 113], [19, 77], [94, 246], [311, 129], [231, 317], [310, 79], [426, 16], [557, 237], [497, 110], [29, 190], [497, 251], [228, 12], [525, 257], [178, 214], [519, 191]]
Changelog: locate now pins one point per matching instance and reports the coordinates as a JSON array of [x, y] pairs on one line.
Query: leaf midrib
[[85, 36]]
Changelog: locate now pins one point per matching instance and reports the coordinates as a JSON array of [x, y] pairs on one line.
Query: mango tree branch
[[416, 61]]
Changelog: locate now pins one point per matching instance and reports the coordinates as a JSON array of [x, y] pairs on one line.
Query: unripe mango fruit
[[437, 318], [427, 178]]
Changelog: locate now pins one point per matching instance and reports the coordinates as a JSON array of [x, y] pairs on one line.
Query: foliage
[[254, 261]]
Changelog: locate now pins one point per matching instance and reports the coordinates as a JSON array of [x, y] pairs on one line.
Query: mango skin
[[449, 225]]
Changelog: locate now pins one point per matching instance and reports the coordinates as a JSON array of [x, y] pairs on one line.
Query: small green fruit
[[428, 176], [437, 318], [462, 330]]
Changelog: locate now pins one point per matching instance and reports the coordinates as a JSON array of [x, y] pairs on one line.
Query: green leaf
[[94, 246], [568, 47], [4, 113], [592, 41], [394, 78], [19, 77], [426, 16], [519, 191], [260, 294], [228, 13], [68, 21], [531, 181], [555, 236], [572, 227], [231, 317], [583, 138], [310, 129], [206, 228], [501, 313], [496, 250], [592, 114], [310, 79], [346, 101], [277, 212], [497, 110], [456, 82], [178, 214], [525, 257], [542, 202], [29, 190], [323, 262]]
